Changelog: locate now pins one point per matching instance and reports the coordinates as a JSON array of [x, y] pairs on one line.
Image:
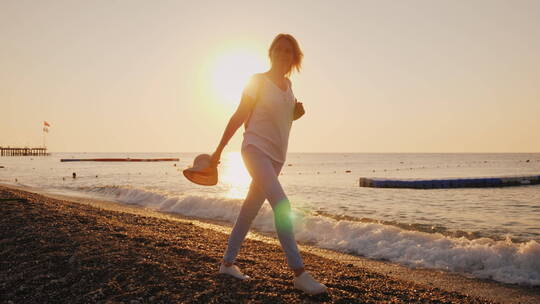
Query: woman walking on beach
[[267, 109]]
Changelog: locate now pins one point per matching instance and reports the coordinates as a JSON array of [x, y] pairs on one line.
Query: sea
[[489, 233]]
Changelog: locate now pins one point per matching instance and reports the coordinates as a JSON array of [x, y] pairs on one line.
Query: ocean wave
[[500, 260]]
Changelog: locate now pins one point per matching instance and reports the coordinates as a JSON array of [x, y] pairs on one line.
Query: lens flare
[[283, 216]]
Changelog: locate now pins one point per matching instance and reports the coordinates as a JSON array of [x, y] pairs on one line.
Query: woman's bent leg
[[265, 173], [249, 210]]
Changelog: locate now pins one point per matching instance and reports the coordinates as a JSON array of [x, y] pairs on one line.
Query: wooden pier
[[8, 151]]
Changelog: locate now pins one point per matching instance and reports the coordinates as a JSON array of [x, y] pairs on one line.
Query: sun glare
[[234, 174], [231, 71]]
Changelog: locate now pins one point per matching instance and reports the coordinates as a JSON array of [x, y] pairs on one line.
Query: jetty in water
[[118, 159], [9, 151], [507, 181]]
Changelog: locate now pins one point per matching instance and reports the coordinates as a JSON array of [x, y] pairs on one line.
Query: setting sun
[[231, 71]]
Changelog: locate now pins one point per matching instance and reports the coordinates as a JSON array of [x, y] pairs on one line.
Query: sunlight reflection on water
[[234, 174]]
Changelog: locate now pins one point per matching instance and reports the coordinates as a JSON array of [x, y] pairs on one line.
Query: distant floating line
[[450, 183], [118, 159]]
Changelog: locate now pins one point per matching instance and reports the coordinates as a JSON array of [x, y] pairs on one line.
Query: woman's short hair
[[297, 53]]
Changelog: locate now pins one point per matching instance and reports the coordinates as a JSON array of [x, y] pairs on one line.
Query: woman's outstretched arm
[[237, 119]]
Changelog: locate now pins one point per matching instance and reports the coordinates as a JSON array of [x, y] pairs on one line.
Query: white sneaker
[[233, 271], [308, 284]]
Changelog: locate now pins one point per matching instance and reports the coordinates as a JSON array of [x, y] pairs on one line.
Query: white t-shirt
[[271, 120]]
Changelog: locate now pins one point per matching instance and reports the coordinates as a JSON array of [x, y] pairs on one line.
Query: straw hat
[[201, 173]]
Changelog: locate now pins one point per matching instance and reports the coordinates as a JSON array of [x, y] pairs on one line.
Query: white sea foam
[[503, 261]]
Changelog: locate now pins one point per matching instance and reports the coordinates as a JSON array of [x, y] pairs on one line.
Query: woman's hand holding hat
[[214, 159]]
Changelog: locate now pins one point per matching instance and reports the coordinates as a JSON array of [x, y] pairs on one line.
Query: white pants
[[264, 185]]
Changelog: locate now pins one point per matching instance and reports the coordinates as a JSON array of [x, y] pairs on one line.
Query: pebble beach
[[60, 251]]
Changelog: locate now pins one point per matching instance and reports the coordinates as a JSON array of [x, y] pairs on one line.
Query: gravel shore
[[57, 251]]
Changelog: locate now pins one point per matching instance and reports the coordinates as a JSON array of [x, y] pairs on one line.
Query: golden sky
[[165, 76]]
